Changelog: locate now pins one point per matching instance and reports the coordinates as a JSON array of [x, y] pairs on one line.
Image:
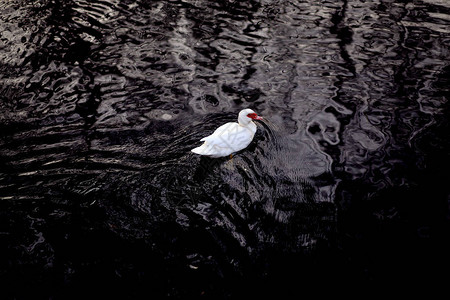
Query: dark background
[[346, 184]]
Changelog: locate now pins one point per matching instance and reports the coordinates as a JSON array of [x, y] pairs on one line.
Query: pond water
[[345, 184]]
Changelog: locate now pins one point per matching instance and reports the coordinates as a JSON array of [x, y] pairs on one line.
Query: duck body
[[230, 137]]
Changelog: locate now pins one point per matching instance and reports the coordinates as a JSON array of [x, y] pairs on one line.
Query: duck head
[[247, 115]]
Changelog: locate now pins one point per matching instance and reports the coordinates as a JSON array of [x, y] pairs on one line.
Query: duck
[[230, 137]]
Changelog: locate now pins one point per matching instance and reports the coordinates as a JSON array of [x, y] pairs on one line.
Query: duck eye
[[252, 115]]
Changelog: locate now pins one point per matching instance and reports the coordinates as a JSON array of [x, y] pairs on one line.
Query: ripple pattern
[[101, 102]]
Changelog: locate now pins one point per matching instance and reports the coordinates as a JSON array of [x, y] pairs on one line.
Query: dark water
[[345, 185]]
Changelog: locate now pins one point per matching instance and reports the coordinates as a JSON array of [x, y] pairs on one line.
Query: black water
[[346, 184]]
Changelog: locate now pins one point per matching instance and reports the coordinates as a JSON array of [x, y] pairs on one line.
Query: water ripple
[[102, 101]]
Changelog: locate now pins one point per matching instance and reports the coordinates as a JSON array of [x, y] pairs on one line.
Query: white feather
[[229, 138]]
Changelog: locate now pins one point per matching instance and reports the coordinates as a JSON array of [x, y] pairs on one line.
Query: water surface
[[345, 184]]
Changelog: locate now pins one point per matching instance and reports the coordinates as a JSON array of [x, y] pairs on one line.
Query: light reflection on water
[[102, 101]]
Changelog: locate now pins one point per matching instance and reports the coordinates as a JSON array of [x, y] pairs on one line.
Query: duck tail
[[199, 150]]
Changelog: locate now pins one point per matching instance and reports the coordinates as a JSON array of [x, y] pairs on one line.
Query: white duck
[[230, 137]]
